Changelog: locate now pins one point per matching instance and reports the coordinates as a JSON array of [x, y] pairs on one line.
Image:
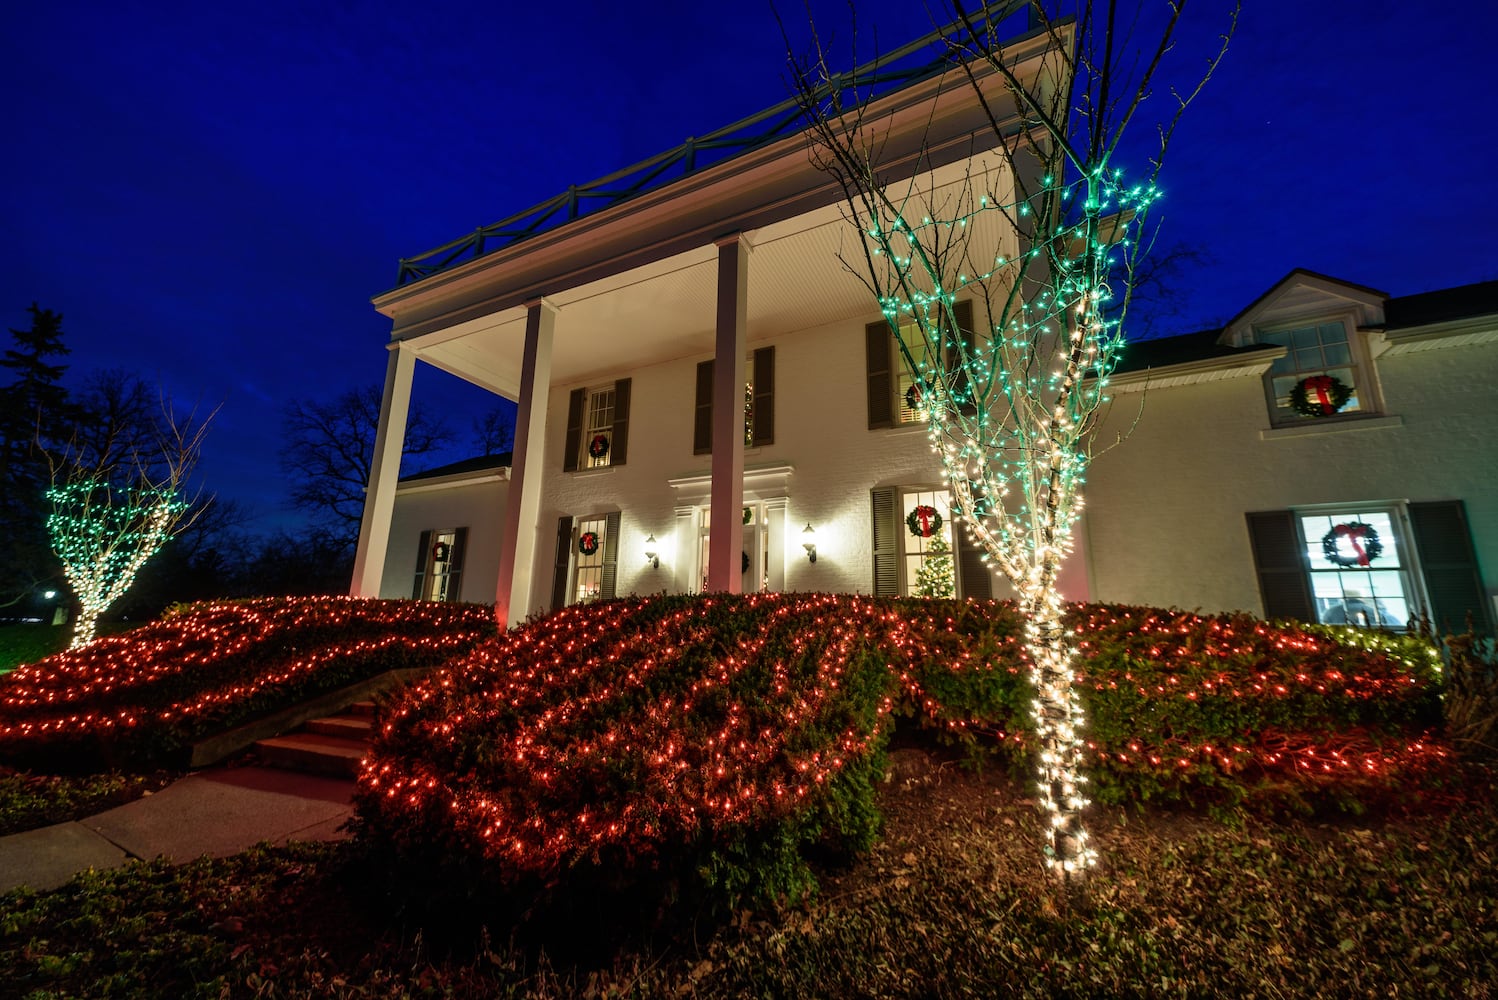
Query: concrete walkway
[[217, 812]]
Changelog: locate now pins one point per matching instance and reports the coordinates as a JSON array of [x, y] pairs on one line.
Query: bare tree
[[119, 493], [1044, 237], [328, 449], [494, 432]]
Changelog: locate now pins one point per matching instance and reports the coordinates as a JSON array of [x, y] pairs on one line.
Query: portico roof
[[635, 282]]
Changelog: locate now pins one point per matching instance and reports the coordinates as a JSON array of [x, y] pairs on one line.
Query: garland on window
[[599, 446], [1319, 395], [1364, 540], [923, 521], [587, 543]]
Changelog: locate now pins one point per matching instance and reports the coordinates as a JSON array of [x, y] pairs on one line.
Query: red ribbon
[[923, 514], [1321, 385], [1355, 535]]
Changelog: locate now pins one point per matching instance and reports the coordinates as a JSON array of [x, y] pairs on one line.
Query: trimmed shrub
[[723, 737], [140, 697]]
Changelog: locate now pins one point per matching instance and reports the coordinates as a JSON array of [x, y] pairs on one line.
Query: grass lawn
[[951, 903]]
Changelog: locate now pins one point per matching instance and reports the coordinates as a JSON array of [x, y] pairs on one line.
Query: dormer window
[[1321, 375]]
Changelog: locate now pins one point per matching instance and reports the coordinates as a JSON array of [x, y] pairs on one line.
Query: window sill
[[1369, 423], [603, 471], [914, 427]]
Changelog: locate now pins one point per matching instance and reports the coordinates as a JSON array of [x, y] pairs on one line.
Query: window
[[587, 559], [599, 430], [759, 403], [910, 561], [929, 570], [889, 378], [907, 396], [1359, 568], [1370, 565], [597, 427], [588, 578], [439, 565], [1311, 350]]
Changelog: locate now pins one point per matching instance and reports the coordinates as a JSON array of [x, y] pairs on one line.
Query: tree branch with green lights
[[1041, 234], [119, 492]]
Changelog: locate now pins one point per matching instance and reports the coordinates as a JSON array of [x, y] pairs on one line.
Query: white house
[[709, 399]]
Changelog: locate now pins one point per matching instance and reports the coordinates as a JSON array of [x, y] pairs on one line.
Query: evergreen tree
[[935, 578], [33, 409]]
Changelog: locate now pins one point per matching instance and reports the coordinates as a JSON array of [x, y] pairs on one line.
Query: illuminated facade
[[707, 395]]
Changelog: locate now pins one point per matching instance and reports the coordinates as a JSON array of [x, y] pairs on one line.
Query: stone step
[[354, 727], [363, 708], [314, 753]]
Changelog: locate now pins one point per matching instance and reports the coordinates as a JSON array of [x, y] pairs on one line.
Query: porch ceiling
[[666, 310]]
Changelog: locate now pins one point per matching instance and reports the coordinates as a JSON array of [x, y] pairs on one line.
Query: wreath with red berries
[[599, 446], [1319, 395], [923, 521], [587, 543], [1365, 542]]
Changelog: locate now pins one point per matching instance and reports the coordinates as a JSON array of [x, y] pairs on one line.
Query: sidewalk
[[217, 812]]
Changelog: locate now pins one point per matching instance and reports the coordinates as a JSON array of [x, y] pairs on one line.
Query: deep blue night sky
[[210, 194]]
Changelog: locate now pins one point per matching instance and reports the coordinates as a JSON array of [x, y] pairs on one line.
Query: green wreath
[[587, 543], [1366, 545], [599, 446], [1319, 395], [923, 521]]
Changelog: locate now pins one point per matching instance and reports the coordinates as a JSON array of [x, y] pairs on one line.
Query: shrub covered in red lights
[[735, 731], [141, 696]]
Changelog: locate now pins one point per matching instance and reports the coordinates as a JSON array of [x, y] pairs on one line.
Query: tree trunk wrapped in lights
[[118, 494], [1042, 233]]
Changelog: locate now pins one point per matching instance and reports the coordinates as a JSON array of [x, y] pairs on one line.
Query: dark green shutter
[[1279, 562], [562, 565], [455, 565], [423, 553], [610, 556], [1453, 580], [960, 384], [574, 430], [973, 578], [880, 375], [764, 396], [619, 447], [702, 424], [886, 542]]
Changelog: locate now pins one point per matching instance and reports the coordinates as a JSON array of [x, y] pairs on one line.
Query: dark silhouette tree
[[33, 410], [327, 451]]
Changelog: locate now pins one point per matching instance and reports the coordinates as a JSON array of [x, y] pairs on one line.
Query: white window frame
[[1360, 362], [583, 567], [911, 560], [1401, 545], [592, 426]]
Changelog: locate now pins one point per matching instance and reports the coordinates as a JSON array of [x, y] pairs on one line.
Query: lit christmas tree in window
[[935, 578]]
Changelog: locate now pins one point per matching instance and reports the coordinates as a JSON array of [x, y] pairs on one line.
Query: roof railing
[[697, 153]]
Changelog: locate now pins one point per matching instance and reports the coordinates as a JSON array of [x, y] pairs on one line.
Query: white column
[[517, 544], [726, 543], [384, 473], [776, 540]]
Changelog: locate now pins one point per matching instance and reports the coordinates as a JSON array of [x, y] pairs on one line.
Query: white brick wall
[[1166, 511]]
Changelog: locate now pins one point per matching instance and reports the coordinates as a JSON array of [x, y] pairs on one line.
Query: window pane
[[1308, 358], [1304, 337], [1338, 354], [1332, 333]]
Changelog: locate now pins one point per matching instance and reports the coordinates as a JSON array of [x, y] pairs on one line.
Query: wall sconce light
[[809, 542], [651, 555]]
